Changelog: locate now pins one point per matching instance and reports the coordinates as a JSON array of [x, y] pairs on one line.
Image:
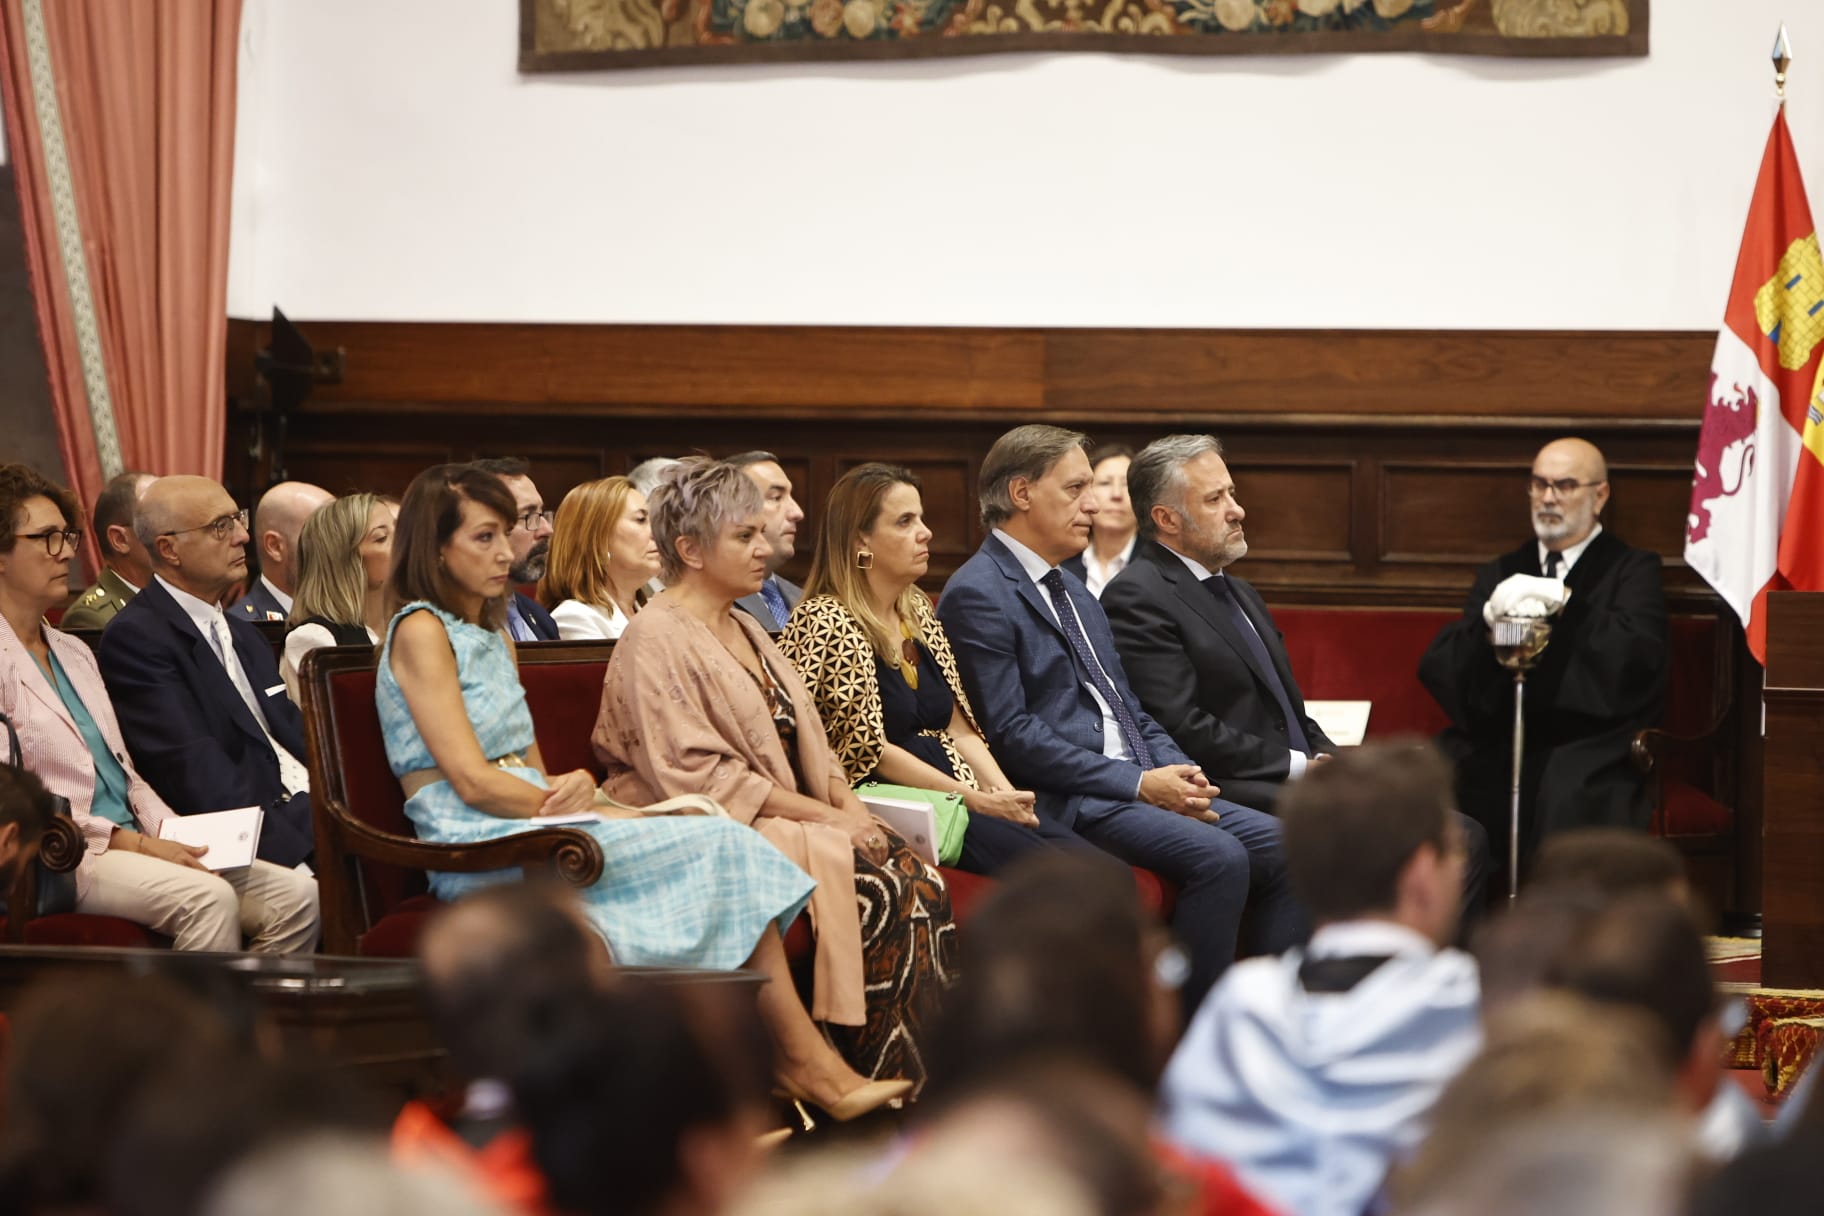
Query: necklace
[[908, 655]]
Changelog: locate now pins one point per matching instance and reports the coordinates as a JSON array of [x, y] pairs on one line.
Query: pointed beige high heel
[[863, 1099]]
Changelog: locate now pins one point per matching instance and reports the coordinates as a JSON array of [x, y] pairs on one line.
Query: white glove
[[1525, 595]]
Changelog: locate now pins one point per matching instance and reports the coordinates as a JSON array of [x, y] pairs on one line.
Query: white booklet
[[915, 822], [232, 837], [1346, 722]]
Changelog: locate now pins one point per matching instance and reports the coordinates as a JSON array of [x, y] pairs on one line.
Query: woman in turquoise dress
[[691, 890]]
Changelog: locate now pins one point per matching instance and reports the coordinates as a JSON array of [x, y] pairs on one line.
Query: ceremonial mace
[[1518, 642]]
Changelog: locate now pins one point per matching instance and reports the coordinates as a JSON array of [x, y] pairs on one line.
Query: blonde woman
[[601, 558], [345, 553], [879, 667]]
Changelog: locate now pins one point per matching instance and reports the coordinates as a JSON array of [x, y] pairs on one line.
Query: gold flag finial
[[1782, 59]]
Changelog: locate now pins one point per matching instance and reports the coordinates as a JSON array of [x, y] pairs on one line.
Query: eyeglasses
[[221, 527], [55, 540], [1565, 486], [531, 519]]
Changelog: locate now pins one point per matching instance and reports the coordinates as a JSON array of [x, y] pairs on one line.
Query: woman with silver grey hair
[[698, 700]]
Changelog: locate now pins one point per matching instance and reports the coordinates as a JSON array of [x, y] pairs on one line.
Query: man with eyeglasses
[[1602, 678], [196, 689], [527, 619], [277, 523]]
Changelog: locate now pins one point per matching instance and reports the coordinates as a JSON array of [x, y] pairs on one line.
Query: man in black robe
[[1601, 679]]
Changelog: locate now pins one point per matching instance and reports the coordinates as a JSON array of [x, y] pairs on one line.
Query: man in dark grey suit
[[1199, 643], [777, 596], [1041, 668]]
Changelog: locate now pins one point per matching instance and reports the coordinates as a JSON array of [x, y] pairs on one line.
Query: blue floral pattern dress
[[689, 891]]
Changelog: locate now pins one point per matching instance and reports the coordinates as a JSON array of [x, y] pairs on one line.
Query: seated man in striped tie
[[1041, 668], [197, 690]]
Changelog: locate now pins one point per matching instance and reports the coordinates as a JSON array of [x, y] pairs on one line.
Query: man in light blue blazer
[[1039, 663]]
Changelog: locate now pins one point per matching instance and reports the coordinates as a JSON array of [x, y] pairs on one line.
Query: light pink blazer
[[51, 744]]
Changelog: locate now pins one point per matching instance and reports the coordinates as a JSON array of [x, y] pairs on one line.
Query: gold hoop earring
[[864, 560]]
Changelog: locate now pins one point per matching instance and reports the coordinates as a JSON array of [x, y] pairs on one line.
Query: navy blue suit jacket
[[1029, 688], [537, 618], [190, 733]]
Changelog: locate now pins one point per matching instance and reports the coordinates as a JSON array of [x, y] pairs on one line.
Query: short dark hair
[[504, 466], [1353, 822], [19, 482], [1025, 451], [1608, 861], [1644, 952], [742, 459], [114, 505], [429, 515], [24, 800]]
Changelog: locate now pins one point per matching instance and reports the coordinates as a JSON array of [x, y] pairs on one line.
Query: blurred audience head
[[113, 525], [781, 511], [708, 521], [38, 547], [498, 967], [1524, 951], [333, 1172], [530, 522], [196, 536], [85, 1047], [647, 474], [278, 522], [1060, 963], [646, 1097], [451, 546], [26, 811], [1184, 497], [1114, 513], [345, 555], [1036, 485], [1609, 862], [1546, 1058], [603, 542], [1578, 1164], [1778, 1177], [1370, 834], [874, 540]]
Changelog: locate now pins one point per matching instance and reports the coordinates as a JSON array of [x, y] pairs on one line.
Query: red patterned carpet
[[1784, 1025]]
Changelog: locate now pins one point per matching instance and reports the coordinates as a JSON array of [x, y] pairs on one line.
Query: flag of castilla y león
[[1756, 522]]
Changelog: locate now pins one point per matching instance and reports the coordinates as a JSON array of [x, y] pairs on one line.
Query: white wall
[[393, 165]]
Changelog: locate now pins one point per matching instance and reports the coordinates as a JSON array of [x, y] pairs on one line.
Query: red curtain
[[120, 118]]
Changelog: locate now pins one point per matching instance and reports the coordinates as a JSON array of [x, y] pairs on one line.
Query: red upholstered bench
[[371, 867], [1366, 654]]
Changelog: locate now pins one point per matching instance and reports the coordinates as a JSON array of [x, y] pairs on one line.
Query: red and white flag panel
[[1762, 379]]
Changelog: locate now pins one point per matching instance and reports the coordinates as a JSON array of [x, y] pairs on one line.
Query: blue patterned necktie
[[775, 601], [1225, 596], [1073, 633]]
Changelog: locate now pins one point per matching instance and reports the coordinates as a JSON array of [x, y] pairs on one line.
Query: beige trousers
[[274, 907]]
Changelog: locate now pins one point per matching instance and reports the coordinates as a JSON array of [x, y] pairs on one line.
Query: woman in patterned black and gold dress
[[877, 662]]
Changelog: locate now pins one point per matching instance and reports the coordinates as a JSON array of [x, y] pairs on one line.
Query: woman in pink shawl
[[698, 700]]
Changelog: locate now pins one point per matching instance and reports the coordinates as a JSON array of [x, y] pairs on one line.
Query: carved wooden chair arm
[[574, 855]]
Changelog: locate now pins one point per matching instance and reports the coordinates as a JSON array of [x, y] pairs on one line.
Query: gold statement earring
[[864, 560]]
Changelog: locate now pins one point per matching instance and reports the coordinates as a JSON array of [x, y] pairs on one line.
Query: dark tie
[[1073, 633], [1225, 596], [775, 601], [1553, 560]]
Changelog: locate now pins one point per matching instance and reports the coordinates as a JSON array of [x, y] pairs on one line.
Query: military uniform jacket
[[95, 607]]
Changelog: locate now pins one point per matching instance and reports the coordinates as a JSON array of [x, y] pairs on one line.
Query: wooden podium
[[1792, 865]]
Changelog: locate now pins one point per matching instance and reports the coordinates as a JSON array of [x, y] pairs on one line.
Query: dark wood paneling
[[1793, 860]]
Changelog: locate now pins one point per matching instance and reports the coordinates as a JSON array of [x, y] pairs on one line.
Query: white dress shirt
[[577, 621], [1571, 554], [1097, 573], [1295, 759], [1036, 568]]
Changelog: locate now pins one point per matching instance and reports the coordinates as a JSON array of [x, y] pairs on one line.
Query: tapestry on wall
[[576, 35]]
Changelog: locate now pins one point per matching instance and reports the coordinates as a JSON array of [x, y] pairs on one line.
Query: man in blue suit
[[1039, 662], [196, 689]]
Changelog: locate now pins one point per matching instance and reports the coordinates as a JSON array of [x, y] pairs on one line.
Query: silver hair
[[647, 474], [1025, 451], [1156, 475], [342, 1173], [696, 500]]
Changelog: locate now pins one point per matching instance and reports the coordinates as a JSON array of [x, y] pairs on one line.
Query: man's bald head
[[276, 525], [173, 521], [1570, 487]]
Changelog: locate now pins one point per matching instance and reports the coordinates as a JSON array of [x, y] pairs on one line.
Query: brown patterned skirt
[[907, 949]]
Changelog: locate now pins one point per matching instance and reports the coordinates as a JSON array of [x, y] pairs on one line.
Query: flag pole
[[1782, 59]]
